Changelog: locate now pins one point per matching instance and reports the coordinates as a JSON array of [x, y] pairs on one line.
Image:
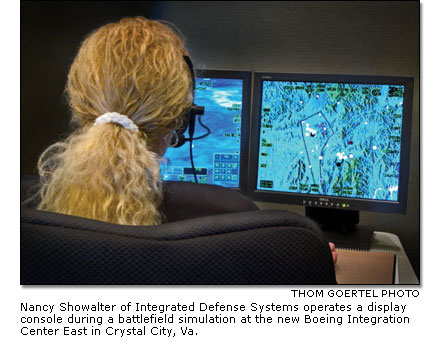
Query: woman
[[128, 88]]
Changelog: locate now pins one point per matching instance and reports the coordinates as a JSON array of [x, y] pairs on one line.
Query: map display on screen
[[332, 139]]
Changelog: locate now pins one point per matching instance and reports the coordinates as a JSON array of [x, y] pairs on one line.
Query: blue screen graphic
[[216, 157], [331, 139]]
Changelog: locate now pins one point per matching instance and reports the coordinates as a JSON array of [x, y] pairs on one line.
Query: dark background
[[51, 33], [323, 37]]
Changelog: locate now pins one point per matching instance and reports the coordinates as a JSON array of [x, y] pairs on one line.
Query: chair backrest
[[254, 247]]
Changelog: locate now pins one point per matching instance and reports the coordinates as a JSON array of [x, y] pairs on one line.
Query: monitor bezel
[[325, 201], [246, 77]]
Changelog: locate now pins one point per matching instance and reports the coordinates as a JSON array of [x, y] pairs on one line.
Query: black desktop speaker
[[341, 227], [338, 219]]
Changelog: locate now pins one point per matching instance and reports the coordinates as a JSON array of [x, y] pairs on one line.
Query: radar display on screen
[[332, 139], [217, 156]]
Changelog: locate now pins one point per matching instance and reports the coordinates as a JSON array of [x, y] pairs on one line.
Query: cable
[[203, 126], [191, 133], [191, 160], [195, 111]]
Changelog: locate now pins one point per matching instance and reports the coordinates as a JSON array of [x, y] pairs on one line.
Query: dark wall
[[51, 33], [324, 37]]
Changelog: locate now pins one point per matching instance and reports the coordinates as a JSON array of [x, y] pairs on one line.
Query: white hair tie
[[114, 117]]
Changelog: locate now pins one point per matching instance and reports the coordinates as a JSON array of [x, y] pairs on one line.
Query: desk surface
[[383, 241]]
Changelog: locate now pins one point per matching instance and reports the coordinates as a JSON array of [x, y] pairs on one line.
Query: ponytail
[[133, 68], [103, 172]]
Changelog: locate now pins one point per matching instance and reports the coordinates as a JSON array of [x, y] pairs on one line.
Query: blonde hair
[[135, 67]]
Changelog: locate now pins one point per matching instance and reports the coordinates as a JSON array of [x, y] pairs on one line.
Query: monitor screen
[[340, 138], [220, 157]]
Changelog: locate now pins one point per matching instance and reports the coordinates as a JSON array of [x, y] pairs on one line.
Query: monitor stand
[[341, 227]]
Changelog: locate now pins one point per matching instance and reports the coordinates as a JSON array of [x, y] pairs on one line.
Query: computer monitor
[[221, 158], [332, 143]]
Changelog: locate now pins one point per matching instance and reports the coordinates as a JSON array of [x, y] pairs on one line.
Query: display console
[[335, 144]]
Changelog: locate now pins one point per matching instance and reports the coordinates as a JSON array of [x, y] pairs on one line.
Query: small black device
[[189, 119]]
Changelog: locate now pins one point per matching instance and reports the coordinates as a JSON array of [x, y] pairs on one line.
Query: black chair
[[254, 247]]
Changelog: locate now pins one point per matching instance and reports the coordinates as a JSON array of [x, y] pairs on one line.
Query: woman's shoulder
[[185, 200]]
